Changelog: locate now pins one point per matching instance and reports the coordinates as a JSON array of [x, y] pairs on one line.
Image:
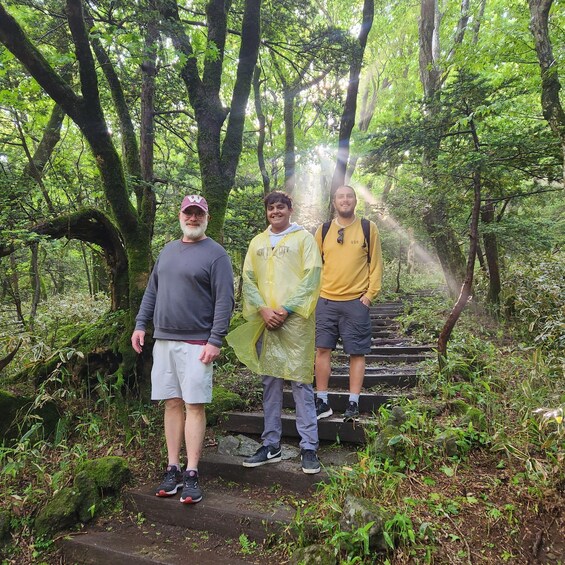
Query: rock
[[223, 400], [458, 407], [447, 441], [109, 474], [313, 555], [397, 416], [476, 417], [69, 506], [247, 446], [243, 446], [228, 445], [382, 446], [357, 513]]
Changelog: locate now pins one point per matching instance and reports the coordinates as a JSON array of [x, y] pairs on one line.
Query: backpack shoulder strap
[[325, 228], [366, 225]]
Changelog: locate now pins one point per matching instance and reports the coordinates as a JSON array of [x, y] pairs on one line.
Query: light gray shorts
[[178, 373]]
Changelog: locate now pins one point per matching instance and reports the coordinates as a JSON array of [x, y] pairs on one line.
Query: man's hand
[[274, 318], [365, 300], [209, 353], [137, 340]]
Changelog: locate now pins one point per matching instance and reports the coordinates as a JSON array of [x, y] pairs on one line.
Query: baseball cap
[[194, 200]]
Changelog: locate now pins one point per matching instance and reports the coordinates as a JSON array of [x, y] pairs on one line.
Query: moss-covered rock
[[68, 507], [384, 444], [109, 474], [476, 417], [458, 407], [13, 412], [222, 401], [447, 441], [313, 555], [357, 513]]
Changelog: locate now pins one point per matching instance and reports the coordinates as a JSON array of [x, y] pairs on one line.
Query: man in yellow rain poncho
[[281, 283]]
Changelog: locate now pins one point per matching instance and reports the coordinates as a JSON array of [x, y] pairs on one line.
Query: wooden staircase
[[392, 369], [239, 501]]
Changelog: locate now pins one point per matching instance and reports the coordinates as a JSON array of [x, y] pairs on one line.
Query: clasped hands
[[274, 318]]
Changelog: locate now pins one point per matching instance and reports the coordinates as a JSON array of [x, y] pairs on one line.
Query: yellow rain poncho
[[288, 275]]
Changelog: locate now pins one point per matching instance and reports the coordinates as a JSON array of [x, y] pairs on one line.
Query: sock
[[353, 398], [195, 470], [322, 395], [177, 465]]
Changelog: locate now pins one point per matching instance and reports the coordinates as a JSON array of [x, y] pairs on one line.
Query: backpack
[[365, 225]]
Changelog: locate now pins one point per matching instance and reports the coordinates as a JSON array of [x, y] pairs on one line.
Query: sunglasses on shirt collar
[[340, 235]]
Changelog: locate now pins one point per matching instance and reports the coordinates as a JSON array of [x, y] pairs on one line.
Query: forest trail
[[243, 508]]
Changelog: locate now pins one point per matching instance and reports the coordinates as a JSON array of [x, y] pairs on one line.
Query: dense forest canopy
[[111, 112]]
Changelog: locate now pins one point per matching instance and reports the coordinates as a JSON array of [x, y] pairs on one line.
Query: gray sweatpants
[[306, 421]]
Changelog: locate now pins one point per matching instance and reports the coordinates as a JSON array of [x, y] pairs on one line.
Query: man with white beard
[[190, 299]]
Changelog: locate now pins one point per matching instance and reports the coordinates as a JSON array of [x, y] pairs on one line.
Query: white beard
[[194, 233]]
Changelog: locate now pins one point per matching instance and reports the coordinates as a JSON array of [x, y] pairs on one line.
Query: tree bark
[[467, 286], [262, 134], [550, 85], [491, 253], [218, 159], [350, 107]]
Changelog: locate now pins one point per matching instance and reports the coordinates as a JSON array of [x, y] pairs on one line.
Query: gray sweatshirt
[[190, 293]]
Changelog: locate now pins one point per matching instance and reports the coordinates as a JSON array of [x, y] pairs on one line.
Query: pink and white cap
[[194, 200]]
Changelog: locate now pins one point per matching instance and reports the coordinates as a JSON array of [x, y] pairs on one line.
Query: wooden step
[[288, 474], [393, 349], [104, 548], [368, 403], [386, 358], [218, 512], [328, 429], [396, 379]]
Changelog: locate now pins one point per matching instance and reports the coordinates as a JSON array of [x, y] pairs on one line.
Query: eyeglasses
[[197, 213], [340, 235]]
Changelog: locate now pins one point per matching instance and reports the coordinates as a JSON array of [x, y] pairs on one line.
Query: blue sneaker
[[172, 481], [265, 454], [191, 493]]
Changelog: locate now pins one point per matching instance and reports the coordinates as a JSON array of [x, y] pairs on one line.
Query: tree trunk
[[467, 286], [289, 154], [550, 85], [262, 133], [218, 159], [491, 253], [350, 106]]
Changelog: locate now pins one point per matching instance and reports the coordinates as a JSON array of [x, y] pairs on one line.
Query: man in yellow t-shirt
[[351, 280]]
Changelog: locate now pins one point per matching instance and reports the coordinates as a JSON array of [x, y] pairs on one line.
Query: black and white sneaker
[[310, 461], [191, 493], [172, 481], [265, 454], [323, 409], [352, 412]]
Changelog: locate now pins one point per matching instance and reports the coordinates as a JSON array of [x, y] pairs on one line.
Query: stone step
[[368, 403], [104, 548], [329, 429], [218, 512]]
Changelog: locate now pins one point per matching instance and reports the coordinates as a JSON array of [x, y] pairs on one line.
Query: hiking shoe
[[323, 409], [191, 493], [310, 461], [265, 454], [352, 412], [172, 481]]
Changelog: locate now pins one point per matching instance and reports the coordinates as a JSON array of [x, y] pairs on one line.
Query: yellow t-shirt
[[346, 275]]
